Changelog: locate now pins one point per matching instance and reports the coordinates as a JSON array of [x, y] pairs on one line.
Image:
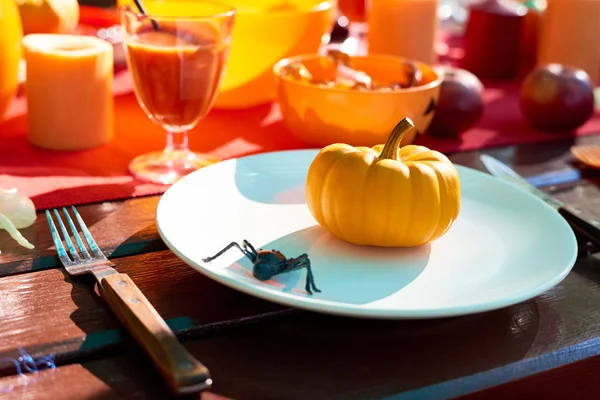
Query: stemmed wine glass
[[176, 53]]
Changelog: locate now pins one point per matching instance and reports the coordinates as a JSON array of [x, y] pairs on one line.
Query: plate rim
[[357, 310]]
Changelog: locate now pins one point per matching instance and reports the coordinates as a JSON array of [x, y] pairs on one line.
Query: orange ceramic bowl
[[323, 115]]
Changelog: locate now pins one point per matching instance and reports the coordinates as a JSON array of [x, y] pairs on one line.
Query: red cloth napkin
[[55, 179]]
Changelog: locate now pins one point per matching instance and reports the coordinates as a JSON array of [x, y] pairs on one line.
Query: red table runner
[[54, 179]]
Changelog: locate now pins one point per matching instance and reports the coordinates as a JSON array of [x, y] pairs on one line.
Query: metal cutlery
[[583, 223], [182, 372]]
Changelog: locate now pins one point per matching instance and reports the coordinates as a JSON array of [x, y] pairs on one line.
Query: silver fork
[[182, 372]]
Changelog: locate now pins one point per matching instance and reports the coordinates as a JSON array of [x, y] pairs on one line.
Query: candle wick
[[142, 10]]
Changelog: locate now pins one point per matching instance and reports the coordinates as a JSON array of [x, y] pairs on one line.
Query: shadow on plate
[[344, 272], [268, 179]]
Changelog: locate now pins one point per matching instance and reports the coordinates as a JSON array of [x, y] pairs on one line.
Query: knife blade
[[585, 225]]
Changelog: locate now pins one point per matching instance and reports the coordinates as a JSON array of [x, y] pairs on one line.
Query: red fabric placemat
[[55, 179]]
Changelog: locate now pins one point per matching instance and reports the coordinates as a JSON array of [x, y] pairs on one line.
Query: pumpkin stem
[[390, 150]]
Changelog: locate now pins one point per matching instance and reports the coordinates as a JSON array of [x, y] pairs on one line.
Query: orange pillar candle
[[404, 28], [69, 91], [570, 35]]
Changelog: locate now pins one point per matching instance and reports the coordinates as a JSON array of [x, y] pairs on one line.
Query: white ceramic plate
[[506, 246]]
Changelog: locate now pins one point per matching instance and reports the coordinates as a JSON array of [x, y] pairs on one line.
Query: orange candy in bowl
[[357, 100]]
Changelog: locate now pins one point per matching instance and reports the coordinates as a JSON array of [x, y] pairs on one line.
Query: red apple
[[557, 98], [460, 105]]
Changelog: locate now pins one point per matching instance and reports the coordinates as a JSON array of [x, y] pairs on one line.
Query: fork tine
[[72, 249], [87, 235], [76, 236], [60, 249]]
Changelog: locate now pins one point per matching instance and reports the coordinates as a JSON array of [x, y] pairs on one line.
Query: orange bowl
[[322, 115]]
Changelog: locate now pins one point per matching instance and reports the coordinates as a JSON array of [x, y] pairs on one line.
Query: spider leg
[[310, 279], [300, 262], [250, 249], [229, 246]]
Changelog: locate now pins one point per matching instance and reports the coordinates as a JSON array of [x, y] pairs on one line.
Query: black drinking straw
[[140, 7]]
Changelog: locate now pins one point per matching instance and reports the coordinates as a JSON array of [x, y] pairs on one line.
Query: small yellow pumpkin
[[384, 196]]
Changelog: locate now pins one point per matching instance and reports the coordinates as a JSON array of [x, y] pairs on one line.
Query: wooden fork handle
[[183, 373]]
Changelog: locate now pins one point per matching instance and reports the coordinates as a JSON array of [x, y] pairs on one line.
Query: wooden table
[[546, 348]]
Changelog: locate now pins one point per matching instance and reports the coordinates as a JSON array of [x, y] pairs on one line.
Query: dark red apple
[[557, 98], [460, 105]]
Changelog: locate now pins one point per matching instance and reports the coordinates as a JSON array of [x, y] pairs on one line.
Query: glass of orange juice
[[176, 54]]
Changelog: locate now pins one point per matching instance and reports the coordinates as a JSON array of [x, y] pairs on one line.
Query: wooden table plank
[[574, 381], [49, 312], [120, 228], [534, 159], [129, 376], [124, 377]]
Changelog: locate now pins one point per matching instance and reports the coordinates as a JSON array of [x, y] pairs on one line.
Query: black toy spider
[[268, 263]]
